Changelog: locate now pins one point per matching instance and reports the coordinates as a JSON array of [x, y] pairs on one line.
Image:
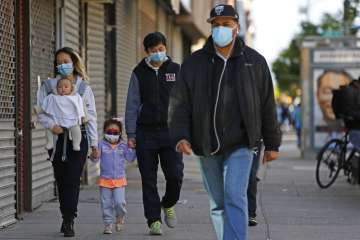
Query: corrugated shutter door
[[72, 24], [126, 48], [42, 55], [148, 15], [7, 113], [96, 69]]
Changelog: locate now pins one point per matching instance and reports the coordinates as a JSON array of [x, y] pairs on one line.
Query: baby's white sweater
[[66, 110]]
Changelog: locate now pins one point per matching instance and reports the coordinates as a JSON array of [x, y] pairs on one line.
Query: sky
[[277, 21]]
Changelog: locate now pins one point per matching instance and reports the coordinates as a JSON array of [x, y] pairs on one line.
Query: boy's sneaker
[[252, 221], [155, 228], [69, 229], [120, 224], [170, 216], [108, 229]]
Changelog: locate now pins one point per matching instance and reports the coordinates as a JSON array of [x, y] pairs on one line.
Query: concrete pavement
[[291, 207]]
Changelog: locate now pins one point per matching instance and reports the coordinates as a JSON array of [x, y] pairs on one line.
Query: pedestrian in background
[[113, 154], [296, 116], [221, 107], [67, 173], [147, 130]]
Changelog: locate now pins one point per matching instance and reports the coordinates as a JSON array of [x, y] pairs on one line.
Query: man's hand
[[270, 156], [184, 147], [132, 143], [57, 130]]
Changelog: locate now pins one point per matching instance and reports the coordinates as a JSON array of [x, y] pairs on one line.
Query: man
[[221, 106], [147, 130]]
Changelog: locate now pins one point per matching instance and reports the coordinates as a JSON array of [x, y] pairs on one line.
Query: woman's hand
[[95, 153], [57, 130]]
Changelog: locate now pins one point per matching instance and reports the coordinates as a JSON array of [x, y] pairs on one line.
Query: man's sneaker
[[252, 221], [155, 228], [120, 224], [69, 229], [107, 229], [170, 217]]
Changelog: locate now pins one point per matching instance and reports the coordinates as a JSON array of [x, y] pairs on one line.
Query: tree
[[286, 67]]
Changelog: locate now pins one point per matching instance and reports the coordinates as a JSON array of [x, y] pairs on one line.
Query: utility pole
[[346, 18]]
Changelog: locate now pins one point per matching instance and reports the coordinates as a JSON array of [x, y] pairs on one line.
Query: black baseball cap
[[223, 10]]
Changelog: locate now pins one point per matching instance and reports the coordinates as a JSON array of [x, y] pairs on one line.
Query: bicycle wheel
[[329, 163]]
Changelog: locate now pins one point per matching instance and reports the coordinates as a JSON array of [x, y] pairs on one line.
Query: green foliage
[[287, 65]]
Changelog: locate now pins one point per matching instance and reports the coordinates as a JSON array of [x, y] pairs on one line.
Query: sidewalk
[[296, 208], [292, 207], [192, 211]]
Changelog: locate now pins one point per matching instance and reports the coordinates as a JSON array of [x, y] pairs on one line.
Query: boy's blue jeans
[[112, 200], [226, 179]]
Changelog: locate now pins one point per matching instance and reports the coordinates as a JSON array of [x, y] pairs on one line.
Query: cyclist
[[346, 105]]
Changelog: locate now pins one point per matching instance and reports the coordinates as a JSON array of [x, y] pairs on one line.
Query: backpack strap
[[82, 87], [48, 84]]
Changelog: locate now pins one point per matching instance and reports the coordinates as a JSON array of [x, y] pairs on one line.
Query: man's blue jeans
[[226, 179]]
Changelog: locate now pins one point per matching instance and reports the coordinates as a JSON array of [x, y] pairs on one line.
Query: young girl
[[112, 154]]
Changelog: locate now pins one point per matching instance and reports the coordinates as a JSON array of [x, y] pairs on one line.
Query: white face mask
[[112, 138]]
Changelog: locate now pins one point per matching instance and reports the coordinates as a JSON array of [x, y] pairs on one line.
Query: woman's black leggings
[[68, 173]]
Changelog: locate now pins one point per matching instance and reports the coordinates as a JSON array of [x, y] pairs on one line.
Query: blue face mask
[[65, 69], [158, 57], [222, 36]]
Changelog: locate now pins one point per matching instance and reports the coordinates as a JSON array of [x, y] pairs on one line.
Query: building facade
[[108, 35]]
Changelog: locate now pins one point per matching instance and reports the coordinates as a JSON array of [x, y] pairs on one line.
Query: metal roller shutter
[[42, 55], [148, 17], [162, 21], [96, 69], [126, 48], [72, 24], [7, 113]]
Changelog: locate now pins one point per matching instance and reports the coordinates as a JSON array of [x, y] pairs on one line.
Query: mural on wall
[[326, 126]]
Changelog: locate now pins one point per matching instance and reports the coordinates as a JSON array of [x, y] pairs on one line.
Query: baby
[[67, 110]]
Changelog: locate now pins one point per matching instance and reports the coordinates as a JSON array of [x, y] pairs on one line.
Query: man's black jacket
[[190, 106]]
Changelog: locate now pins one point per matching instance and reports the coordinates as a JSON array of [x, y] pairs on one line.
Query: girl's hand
[[95, 153], [57, 130]]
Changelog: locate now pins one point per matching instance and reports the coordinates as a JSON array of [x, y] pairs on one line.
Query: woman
[[67, 163]]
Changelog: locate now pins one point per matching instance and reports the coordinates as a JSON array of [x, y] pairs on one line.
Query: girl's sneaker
[[107, 229], [120, 224]]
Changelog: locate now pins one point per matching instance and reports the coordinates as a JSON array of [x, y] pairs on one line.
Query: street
[[292, 207]]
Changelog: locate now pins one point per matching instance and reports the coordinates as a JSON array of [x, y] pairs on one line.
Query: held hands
[[132, 143], [270, 156], [95, 153], [184, 147]]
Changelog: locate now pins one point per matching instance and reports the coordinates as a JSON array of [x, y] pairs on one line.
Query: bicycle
[[335, 155]]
